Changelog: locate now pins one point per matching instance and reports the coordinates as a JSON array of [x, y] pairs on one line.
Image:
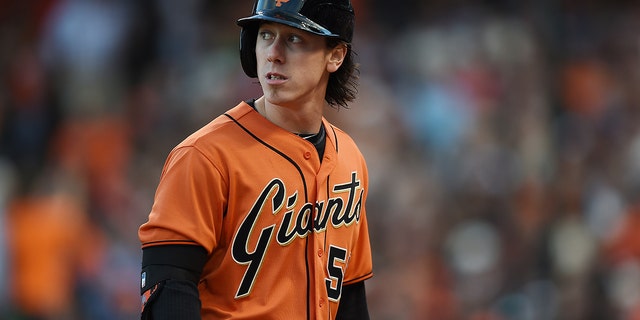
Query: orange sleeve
[[189, 202]]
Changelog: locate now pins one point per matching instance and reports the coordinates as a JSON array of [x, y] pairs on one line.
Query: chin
[[278, 98]]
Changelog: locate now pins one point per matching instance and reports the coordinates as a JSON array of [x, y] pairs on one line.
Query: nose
[[275, 51]]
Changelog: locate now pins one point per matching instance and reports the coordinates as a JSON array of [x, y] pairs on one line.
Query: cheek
[[261, 54], [316, 65], [312, 72], [259, 58]]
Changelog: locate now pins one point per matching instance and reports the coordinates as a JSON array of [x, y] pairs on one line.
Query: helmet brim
[[296, 20]]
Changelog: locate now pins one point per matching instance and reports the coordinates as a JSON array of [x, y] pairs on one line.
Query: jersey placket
[[319, 273], [322, 303]]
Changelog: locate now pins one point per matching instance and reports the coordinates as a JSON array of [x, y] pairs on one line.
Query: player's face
[[294, 65]]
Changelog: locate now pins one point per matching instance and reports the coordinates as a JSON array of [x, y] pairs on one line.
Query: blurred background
[[503, 140]]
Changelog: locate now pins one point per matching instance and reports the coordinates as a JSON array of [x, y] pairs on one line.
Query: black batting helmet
[[327, 18]]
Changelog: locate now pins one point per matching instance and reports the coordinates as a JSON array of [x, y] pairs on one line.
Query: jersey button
[[320, 252], [307, 155], [321, 303]]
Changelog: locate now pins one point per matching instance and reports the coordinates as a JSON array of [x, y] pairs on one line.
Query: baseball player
[[260, 214]]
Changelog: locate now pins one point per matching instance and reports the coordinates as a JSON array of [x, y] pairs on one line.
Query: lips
[[275, 78]]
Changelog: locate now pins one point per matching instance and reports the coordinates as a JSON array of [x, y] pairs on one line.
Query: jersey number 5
[[337, 258]]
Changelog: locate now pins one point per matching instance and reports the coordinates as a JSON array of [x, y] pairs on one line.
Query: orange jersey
[[284, 231]]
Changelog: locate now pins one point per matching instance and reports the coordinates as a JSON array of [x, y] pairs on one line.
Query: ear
[[336, 57]]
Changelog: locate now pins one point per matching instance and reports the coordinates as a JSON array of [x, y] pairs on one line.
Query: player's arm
[[170, 276], [353, 303]]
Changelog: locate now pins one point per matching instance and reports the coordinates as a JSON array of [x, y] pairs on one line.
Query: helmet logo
[[280, 2]]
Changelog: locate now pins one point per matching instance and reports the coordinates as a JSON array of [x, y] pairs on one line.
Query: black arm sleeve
[[353, 303], [170, 276], [174, 299]]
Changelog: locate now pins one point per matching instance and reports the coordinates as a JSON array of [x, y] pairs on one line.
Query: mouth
[[275, 77]]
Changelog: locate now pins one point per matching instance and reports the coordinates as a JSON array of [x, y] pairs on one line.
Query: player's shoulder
[[220, 130], [337, 133], [341, 139]]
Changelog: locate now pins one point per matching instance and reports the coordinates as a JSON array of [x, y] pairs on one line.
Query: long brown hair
[[343, 83]]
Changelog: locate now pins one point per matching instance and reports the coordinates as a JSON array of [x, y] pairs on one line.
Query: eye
[[265, 35], [294, 38]]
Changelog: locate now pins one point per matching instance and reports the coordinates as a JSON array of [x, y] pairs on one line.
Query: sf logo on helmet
[[280, 2]]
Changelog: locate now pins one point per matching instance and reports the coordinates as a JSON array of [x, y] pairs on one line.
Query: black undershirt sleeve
[[174, 299], [353, 303], [170, 276]]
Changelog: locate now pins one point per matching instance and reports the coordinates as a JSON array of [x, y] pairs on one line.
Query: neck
[[305, 119]]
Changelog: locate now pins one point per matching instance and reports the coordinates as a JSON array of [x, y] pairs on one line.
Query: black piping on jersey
[[335, 137], [306, 196], [280, 153]]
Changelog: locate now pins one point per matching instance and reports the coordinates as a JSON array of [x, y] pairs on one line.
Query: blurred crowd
[[502, 137]]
